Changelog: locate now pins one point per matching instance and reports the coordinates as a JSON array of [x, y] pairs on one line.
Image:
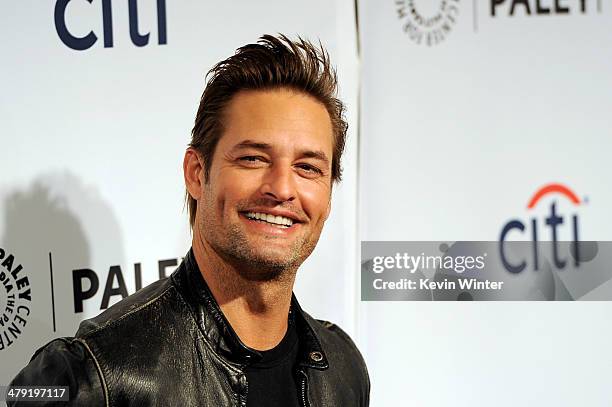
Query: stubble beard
[[253, 263]]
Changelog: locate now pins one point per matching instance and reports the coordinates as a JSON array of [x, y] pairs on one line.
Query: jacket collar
[[219, 333]]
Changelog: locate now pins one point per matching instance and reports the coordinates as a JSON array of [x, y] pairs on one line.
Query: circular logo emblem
[[15, 299], [427, 22]]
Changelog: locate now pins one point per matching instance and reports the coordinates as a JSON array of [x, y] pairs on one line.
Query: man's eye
[[251, 158], [310, 169]]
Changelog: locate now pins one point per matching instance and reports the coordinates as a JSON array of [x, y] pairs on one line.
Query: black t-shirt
[[271, 379]]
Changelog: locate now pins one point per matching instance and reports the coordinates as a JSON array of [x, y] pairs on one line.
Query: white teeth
[[276, 220]]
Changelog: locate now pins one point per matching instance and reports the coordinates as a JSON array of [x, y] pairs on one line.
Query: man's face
[[269, 190]]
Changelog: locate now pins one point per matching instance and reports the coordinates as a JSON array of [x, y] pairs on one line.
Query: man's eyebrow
[[316, 154], [319, 155], [252, 144]]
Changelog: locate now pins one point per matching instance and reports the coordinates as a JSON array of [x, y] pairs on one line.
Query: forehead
[[280, 117]]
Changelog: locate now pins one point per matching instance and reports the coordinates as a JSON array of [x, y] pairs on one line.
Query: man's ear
[[193, 173]]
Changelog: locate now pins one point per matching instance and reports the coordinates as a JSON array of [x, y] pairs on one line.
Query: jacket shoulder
[[135, 343], [331, 330], [64, 362], [331, 334], [129, 307], [132, 330], [344, 357]]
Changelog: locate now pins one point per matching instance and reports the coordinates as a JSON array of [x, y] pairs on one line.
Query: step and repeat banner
[[98, 100], [485, 176], [477, 170]]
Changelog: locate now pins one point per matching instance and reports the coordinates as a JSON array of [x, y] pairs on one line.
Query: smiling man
[[225, 329]]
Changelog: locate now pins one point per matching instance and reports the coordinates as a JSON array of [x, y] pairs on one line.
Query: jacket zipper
[[304, 389], [243, 397]]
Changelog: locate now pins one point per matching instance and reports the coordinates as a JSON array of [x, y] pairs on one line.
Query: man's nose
[[279, 183]]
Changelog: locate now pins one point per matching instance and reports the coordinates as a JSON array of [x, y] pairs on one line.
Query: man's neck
[[257, 310]]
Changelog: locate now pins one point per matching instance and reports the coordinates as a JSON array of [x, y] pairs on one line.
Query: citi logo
[[87, 41], [535, 228]]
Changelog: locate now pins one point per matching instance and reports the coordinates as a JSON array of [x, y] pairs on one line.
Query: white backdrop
[[456, 138]]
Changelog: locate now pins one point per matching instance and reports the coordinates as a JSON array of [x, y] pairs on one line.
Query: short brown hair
[[273, 62]]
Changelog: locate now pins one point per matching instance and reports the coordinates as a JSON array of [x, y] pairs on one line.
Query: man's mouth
[[279, 221]]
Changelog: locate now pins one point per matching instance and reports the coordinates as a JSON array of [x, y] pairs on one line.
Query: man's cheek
[[316, 204]]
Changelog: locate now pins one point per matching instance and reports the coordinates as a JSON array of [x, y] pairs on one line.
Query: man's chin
[[257, 259]]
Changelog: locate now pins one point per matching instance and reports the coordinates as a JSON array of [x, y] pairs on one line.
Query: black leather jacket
[[170, 345]]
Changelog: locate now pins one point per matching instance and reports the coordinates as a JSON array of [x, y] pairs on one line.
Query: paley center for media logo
[[427, 22], [547, 228], [15, 299], [510, 8], [430, 22]]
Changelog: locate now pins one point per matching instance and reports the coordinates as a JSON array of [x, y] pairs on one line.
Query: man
[[225, 329]]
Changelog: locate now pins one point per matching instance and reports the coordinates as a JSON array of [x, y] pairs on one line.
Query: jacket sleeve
[[63, 362]]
